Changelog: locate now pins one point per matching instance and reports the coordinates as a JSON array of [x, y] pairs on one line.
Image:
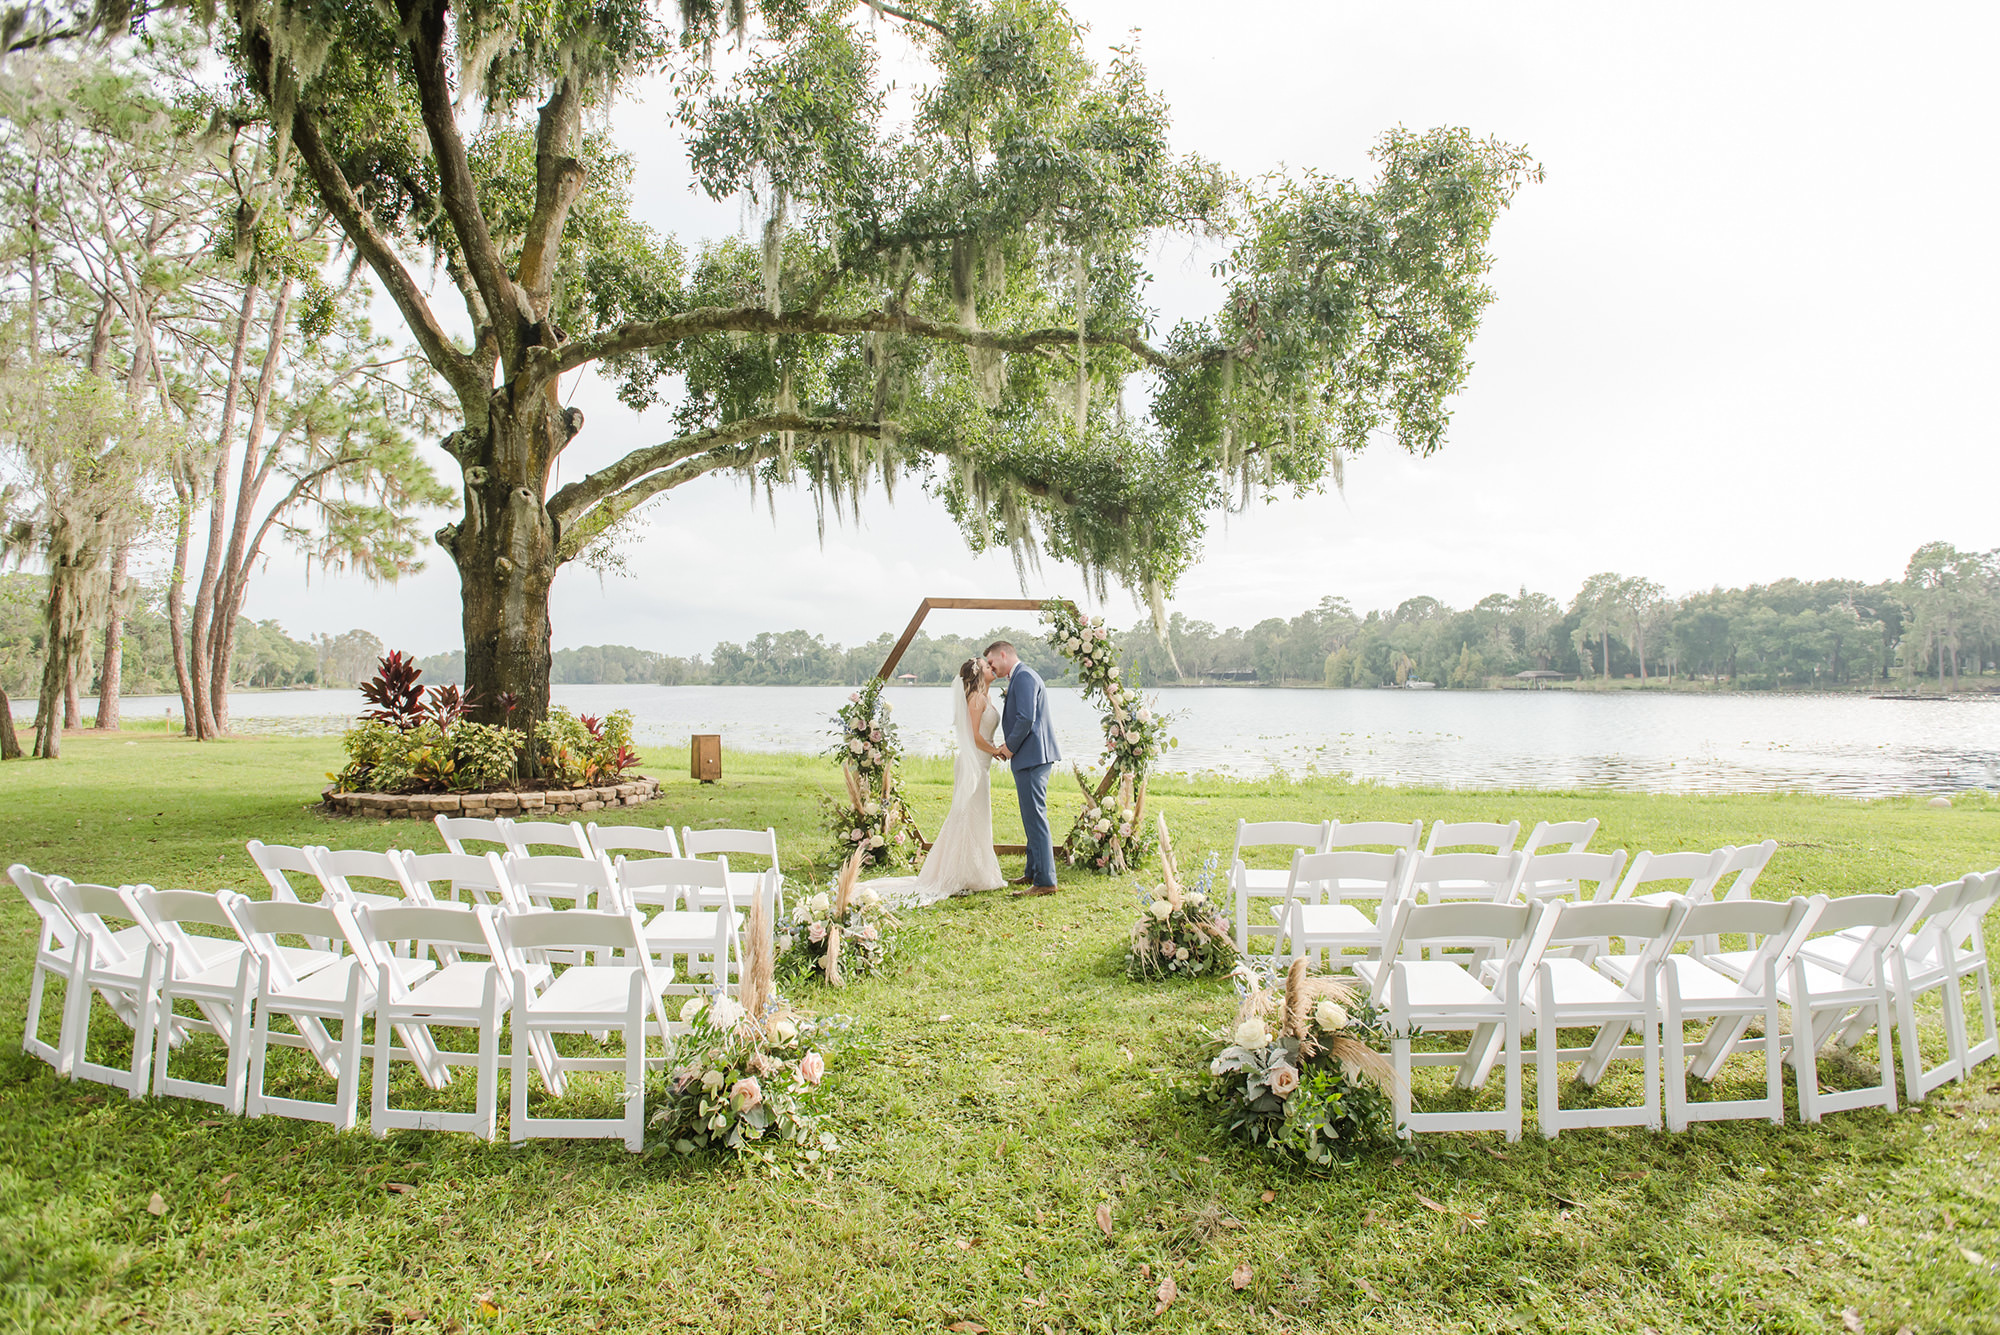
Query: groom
[[1028, 740]]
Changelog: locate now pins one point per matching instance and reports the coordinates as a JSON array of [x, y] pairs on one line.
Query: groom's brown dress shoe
[[1022, 880], [1034, 890]]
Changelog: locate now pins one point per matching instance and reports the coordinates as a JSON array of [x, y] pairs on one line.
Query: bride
[[962, 860]]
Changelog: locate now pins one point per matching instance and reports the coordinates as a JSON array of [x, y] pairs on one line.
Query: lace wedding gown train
[[961, 858]]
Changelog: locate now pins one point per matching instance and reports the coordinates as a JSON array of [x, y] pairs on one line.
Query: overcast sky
[[1741, 330]]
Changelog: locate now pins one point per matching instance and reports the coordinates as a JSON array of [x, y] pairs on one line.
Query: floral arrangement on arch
[[1301, 1073], [874, 820], [1110, 833], [845, 931], [746, 1075], [1180, 933]]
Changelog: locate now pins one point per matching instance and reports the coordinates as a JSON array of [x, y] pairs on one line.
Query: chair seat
[[1821, 981], [1430, 984], [586, 989], [1261, 881], [1575, 985], [1619, 967], [691, 926], [1323, 920], [458, 988], [1700, 983]]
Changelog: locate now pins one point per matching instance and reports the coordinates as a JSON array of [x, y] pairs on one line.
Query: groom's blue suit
[[1024, 722]]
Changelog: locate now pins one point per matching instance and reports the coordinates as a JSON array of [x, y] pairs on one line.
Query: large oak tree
[[957, 292]]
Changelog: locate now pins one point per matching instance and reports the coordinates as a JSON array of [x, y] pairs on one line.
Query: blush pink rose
[[747, 1093], [1284, 1079], [812, 1067]]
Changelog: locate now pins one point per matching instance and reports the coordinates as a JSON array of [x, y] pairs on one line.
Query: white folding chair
[[1470, 835], [462, 994], [1564, 992], [279, 863], [342, 991], [462, 879], [1247, 883], [755, 843], [581, 882], [455, 830], [222, 991], [1316, 915], [1374, 835], [1691, 988], [1484, 878], [1581, 878], [1573, 836], [104, 961], [55, 955], [1671, 875], [612, 840], [1948, 953], [695, 914], [525, 836], [582, 998], [1437, 996], [363, 877]]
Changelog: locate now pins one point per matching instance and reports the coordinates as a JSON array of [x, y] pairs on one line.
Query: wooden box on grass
[[705, 757]]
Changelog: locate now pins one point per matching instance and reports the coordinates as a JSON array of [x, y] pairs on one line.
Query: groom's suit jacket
[[1024, 721]]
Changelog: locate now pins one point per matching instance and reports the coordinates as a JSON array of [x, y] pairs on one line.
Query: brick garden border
[[423, 806]]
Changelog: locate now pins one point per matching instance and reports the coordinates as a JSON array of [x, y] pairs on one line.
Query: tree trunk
[[184, 486], [111, 673], [10, 741], [200, 651], [55, 671], [72, 703]]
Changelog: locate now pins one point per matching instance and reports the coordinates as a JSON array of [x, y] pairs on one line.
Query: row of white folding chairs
[[571, 837], [405, 966], [698, 905], [1840, 967], [1332, 854]]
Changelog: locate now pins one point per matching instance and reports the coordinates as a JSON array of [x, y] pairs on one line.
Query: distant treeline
[[1938, 623]]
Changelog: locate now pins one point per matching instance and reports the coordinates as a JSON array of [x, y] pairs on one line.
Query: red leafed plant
[[394, 692]]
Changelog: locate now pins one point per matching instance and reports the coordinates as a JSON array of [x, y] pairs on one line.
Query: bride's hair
[[968, 675]]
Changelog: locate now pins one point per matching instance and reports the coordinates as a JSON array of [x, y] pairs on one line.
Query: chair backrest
[[1776, 929], [482, 876], [1296, 834], [525, 836], [422, 929], [1473, 834], [58, 932], [531, 938], [614, 839], [692, 884], [1883, 919], [587, 881], [1374, 834], [1976, 900], [1514, 934], [1738, 874], [1651, 928], [280, 862], [1652, 872], [380, 873], [1348, 875], [1495, 877], [1560, 875], [89, 907], [1574, 834], [263, 922], [757, 843], [455, 830]]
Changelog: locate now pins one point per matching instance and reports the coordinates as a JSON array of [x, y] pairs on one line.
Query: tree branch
[[559, 180], [456, 189], [568, 505], [893, 12]]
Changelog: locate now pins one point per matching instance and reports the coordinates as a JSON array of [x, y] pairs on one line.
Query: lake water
[[1840, 744]]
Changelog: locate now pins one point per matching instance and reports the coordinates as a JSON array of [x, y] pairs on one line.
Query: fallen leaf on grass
[[1368, 1219], [1495, 1153], [1629, 1177], [1028, 1273], [967, 1328], [1564, 1201], [1850, 1321], [1977, 1258], [156, 1206], [1239, 1278], [962, 1244], [1104, 1218], [487, 1308], [211, 1121], [1430, 1204], [1905, 1330], [1127, 1051], [1267, 1197], [765, 1271], [1166, 1293], [1035, 1302], [1398, 1161], [1145, 1270], [399, 1188], [227, 1178], [227, 1195], [1367, 1288]]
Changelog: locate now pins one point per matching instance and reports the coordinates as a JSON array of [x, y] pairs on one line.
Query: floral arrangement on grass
[[1109, 835], [417, 740], [873, 821], [746, 1075], [841, 932], [1180, 933], [1301, 1073]]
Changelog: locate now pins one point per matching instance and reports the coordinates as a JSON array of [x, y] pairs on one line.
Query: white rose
[[1196, 897], [1160, 908], [692, 1008], [711, 1080], [1114, 670], [725, 1012], [1252, 1034], [874, 841], [785, 1031], [1074, 644], [1330, 1014], [818, 904], [1145, 716], [1124, 832], [872, 808], [854, 745], [869, 899], [1101, 826], [1129, 814], [888, 708]]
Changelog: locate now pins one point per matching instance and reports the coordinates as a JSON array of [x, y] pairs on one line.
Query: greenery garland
[[874, 820], [1110, 833]]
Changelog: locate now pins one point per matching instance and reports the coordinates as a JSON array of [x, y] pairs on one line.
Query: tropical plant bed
[[553, 801]]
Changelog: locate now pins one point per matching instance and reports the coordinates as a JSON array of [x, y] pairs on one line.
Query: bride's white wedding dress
[[961, 858]]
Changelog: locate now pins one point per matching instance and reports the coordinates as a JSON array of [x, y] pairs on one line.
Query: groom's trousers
[[1031, 784]]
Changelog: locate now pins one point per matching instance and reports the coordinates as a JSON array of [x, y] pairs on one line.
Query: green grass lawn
[[1005, 1079]]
